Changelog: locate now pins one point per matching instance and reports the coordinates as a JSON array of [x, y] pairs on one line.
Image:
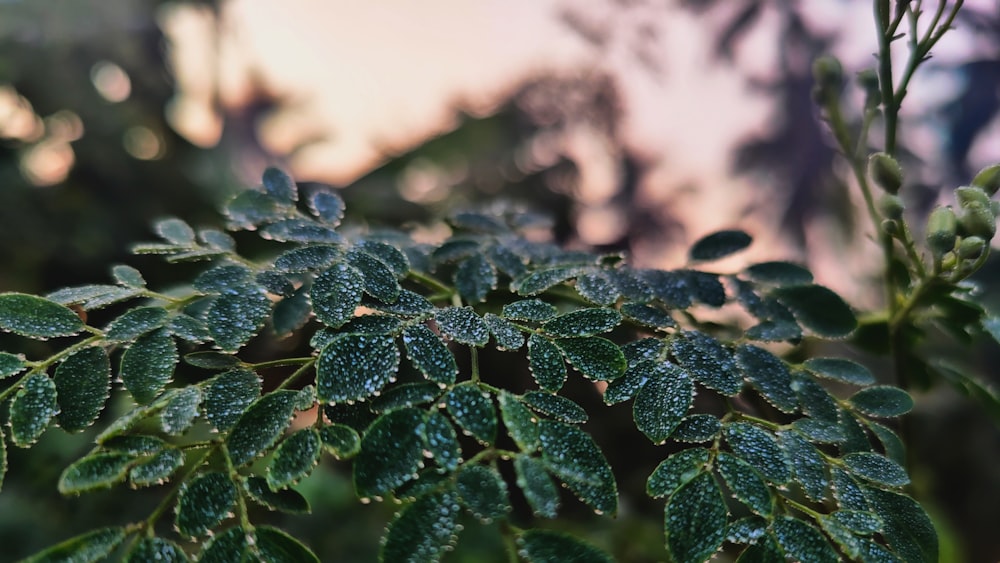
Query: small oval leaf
[[760, 449], [260, 426], [662, 402], [719, 245], [695, 519], [93, 546], [336, 293], [483, 492], [462, 324], [539, 490], [572, 456], [36, 317], [839, 369], [294, 459], [228, 395], [676, 470], [355, 367], [472, 408], [430, 355], [882, 401], [876, 468], [391, 452], [83, 385], [285, 500], [746, 484], [424, 531], [148, 365], [547, 546], [596, 358], [583, 322], [204, 502], [818, 309], [156, 549], [546, 363], [98, 471], [32, 409]]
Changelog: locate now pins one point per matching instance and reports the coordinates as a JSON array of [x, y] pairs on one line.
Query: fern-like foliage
[[779, 460]]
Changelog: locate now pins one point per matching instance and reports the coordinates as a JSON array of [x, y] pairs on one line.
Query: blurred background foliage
[[90, 155]]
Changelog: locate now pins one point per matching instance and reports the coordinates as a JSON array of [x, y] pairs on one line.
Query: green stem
[[282, 363], [297, 374], [430, 282], [241, 503], [474, 360]]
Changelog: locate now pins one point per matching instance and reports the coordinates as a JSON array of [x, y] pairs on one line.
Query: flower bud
[[890, 227], [868, 80], [829, 77], [970, 248], [978, 220], [941, 229], [969, 194], [988, 179], [886, 172], [891, 206]]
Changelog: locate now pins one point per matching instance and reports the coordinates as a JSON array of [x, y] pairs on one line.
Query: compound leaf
[[204, 502], [818, 309], [423, 531], [294, 458], [882, 401], [539, 490], [695, 520], [355, 367], [93, 546], [37, 317], [336, 293], [719, 245], [596, 358], [228, 395], [430, 355], [473, 410], [572, 456], [391, 452], [148, 365], [483, 492], [32, 409], [547, 546], [83, 385], [260, 426]]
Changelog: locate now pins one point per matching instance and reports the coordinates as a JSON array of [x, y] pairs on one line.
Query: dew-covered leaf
[[307, 258], [597, 288], [473, 410], [260, 426], [548, 546], [808, 466], [85, 294], [534, 310], [506, 260], [708, 362], [882, 401], [128, 276], [32, 409], [748, 530], [175, 231], [540, 280], [475, 277], [839, 369], [819, 431], [583, 322], [234, 318], [275, 283], [676, 470], [847, 491], [769, 376], [134, 323], [179, 413], [442, 442], [893, 445], [719, 245], [285, 500], [327, 205], [355, 367], [228, 547], [539, 490], [391, 452], [408, 304], [802, 542], [135, 444], [859, 522], [300, 230], [90, 547], [774, 330], [189, 328], [280, 185], [156, 469], [406, 395], [83, 384], [596, 358], [671, 288], [291, 313], [217, 239], [204, 502], [423, 531], [521, 423], [818, 309], [156, 549], [222, 279], [148, 365], [572, 456], [478, 222], [294, 458], [429, 354], [463, 325], [695, 519], [779, 273], [546, 363], [340, 440], [507, 336], [276, 546], [97, 471], [907, 528], [705, 287], [814, 399], [11, 364], [662, 402], [855, 438], [36, 317], [555, 406], [746, 484], [697, 428], [393, 257], [365, 324], [455, 249], [228, 395], [380, 280], [876, 468], [760, 449], [336, 293], [648, 315], [483, 492]]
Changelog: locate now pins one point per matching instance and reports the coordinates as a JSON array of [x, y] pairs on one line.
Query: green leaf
[[307, 258], [35, 317], [808, 466], [539, 490], [276, 546], [135, 444], [675, 471], [475, 277], [483, 492], [380, 280], [540, 280], [779, 273], [507, 336], [179, 413], [204, 502], [546, 363], [877, 469], [839, 369], [336, 293], [818, 309], [234, 318], [597, 288], [555, 406], [189, 328], [662, 403], [285, 500], [456, 249], [648, 315], [695, 520], [748, 530], [156, 549], [300, 230], [409, 304], [814, 399], [83, 385], [391, 452], [708, 362], [228, 395], [907, 528], [521, 423], [462, 324], [294, 458], [222, 279], [696, 428], [802, 542], [148, 365], [260, 426], [175, 231], [571, 455], [355, 367], [291, 313], [393, 257], [280, 185], [506, 260], [406, 395], [442, 442], [134, 323], [626, 386], [719, 245], [93, 546], [819, 431], [472, 408], [157, 469], [882, 401], [583, 322], [327, 205], [11, 364], [534, 310], [340, 440], [893, 445], [32, 409], [228, 547], [547, 546], [596, 358], [128, 276], [97, 471], [423, 531], [430, 355], [672, 288], [217, 239], [859, 522], [746, 484], [848, 492], [91, 296], [760, 449], [769, 376]]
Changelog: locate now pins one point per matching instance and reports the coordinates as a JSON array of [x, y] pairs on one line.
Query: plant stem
[[297, 374]]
